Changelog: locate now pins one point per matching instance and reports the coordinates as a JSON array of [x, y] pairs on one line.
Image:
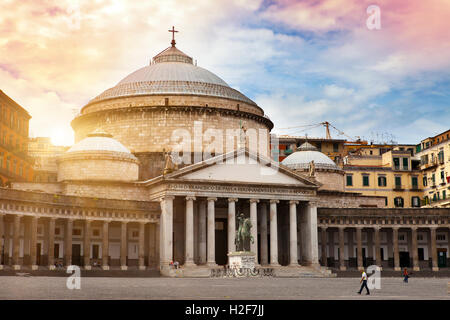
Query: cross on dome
[[173, 36]]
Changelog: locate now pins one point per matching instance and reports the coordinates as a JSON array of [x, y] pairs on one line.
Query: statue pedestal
[[241, 260]]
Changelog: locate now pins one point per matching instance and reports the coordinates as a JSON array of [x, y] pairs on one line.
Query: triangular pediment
[[241, 166]]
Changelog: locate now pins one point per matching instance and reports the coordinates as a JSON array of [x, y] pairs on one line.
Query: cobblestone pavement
[[19, 287]]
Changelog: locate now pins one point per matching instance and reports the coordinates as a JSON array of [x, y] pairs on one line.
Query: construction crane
[[327, 126]]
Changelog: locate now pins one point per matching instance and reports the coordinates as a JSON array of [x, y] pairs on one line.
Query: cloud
[[302, 61]]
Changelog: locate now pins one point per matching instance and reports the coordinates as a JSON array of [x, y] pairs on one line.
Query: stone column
[[414, 249], [293, 262], [211, 233], [105, 245], [378, 261], [141, 262], [202, 232], [68, 242], [254, 229], [151, 244], [232, 224], [158, 245], [123, 245], [189, 234], [309, 241], [324, 245], [359, 256], [7, 240], [33, 243], [434, 257], [166, 233], [342, 266], [2, 240], [16, 242], [273, 233], [263, 228], [51, 243], [396, 249], [87, 244]]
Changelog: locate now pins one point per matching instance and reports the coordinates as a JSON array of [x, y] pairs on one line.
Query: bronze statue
[[243, 232]]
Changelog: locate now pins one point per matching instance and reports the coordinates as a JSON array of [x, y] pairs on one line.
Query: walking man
[[363, 283], [405, 275]]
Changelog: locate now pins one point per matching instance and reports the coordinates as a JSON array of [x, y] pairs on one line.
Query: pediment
[[241, 166]]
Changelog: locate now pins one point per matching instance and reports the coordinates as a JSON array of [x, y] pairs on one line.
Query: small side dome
[[98, 157], [307, 153], [327, 172], [99, 141]]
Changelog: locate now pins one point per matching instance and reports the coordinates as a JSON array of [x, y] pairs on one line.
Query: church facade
[[163, 164]]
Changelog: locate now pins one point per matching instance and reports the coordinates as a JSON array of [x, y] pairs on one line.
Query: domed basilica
[[123, 201]]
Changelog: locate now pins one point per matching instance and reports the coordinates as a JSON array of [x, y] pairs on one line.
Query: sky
[[303, 62]]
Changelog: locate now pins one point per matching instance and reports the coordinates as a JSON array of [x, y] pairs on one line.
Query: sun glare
[[62, 137]]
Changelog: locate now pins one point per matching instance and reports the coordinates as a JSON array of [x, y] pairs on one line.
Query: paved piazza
[[223, 289]]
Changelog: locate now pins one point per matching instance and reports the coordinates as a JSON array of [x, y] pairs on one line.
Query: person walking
[[405, 275], [363, 283]]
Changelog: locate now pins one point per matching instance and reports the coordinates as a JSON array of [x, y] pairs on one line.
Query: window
[[440, 237], [335, 147], [76, 232], [415, 202], [349, 180], [405, 163], [401, 237], [433, 179], [398, 202], [381, 181], [420, 237], [365, 180], [444, 194], [398, 182], [319, 146], [57, 231], [396, 163], [96, 232], [441, 156], [414, 182], [135, 234], [443, 176]]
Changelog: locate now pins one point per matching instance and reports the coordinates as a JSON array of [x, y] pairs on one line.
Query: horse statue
[[243, 232]]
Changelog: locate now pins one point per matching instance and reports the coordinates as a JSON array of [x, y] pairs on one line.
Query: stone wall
[[97, 169], [330, 199], [171, 100], [151, 129], [105, 190], [331, 180]]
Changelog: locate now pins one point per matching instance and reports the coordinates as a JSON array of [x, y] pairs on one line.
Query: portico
[[200, 200]]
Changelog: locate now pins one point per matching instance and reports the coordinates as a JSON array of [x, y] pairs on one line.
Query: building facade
[[15, 164], [434, 156], [44, 155], [122, 201], [390, 173]]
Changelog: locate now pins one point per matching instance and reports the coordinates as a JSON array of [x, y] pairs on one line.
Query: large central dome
[[172, 72], [147, 110]]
